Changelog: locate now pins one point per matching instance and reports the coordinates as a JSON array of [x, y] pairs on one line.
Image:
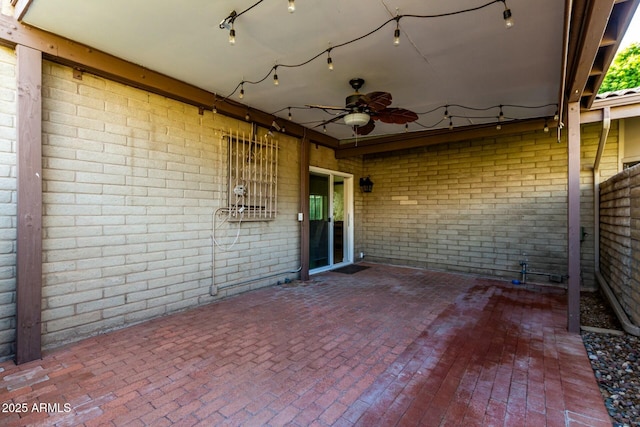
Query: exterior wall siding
[[479, 206], [620, 238], [8, 202], [131, 182]]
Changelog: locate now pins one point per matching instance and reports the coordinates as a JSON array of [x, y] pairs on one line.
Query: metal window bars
[[253, 177]]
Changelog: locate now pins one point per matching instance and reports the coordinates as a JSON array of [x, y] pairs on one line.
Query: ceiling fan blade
[[397, 116], [378, 101], [366, 129]]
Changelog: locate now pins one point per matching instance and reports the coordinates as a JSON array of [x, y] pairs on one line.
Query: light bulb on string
[[329, 60], [556, 117], [292, 6], [546, 126], [241, 96], [507, 16], [276, 82], [324, 128], [396, 33], [446, 112], [501, 115], [232, 35], [290, 117], [450, 124]]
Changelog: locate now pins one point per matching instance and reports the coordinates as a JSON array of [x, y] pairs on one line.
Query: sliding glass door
[[330, 219]]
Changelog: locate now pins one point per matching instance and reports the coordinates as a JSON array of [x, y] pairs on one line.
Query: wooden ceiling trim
[[590, 36], [20, 8], [622, 107], [66, 52], [617, 25], [440, 136]]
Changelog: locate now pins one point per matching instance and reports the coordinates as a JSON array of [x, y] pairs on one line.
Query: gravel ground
[[615, 359]]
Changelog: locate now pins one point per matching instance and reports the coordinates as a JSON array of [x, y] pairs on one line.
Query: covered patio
[[383, 346]]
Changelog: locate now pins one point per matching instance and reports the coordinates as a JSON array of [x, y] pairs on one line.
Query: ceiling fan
[[361, 110]]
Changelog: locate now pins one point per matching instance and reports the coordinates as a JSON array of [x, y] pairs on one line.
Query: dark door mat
[[350, 269]]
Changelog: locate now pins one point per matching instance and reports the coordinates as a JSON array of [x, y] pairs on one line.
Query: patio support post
[[304, 209], [29, 211], [573, 217]]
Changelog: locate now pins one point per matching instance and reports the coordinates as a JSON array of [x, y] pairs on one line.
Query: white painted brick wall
[[477, 206], [131, 181]]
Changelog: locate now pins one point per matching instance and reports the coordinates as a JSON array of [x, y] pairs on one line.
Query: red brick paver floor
[[385, 346]]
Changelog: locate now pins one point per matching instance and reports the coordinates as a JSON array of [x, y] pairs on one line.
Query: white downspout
[[606, 126]]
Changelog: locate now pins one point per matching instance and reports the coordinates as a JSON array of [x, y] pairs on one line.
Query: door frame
[[349, 255]]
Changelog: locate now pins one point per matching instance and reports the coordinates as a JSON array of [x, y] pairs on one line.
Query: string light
[[556, 117], [241, 96], [275, 76], [292, 6], [290, 117], [232, 35], [396, 33], [506, 15], [329, 60], [546, 126], [450, 117], [446, 112], [229, 21], [501, 115]]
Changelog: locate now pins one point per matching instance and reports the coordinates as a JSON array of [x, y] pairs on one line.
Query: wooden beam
[[66, 52], [573, 218], [21, 7], [620, 111], [618, 22], [589, 36], [440, 136], [29, 161]]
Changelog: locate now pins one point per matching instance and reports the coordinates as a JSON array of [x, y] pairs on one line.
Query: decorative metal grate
[[253, 177]]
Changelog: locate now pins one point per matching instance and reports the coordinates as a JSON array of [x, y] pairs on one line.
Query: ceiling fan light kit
[[361, 110], [356, 119]]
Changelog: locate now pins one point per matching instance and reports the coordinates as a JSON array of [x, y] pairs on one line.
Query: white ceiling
[[469, 59]]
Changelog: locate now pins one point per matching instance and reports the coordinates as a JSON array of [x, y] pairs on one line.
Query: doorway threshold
[[329, 268]]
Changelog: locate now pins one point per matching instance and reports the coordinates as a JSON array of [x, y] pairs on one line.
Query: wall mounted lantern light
[[366, 185]]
